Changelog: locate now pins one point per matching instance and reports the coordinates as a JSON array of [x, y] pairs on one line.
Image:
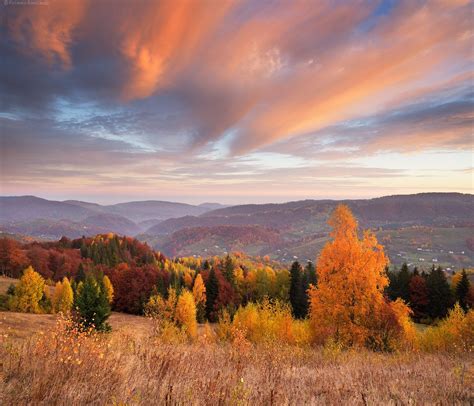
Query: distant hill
[[426, 208], [213, 206], [423, 207], [212, 240], [25, 208], [112, 223], [154, 209], [48, 229], [86, 205], [42, 218], [304, 230]]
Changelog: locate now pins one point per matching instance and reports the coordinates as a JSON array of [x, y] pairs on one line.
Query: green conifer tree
[[296, 288], [404, 277], [229, 270], [81, 274], [439, 293], [92, 304], [462, 290]]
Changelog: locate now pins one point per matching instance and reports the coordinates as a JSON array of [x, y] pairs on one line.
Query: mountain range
[[407, 224]]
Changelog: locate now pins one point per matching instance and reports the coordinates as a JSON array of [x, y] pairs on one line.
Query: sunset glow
[[235, 101]]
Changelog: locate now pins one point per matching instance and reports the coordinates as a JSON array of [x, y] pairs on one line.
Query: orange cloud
[[163, 38], [363, 74], [46, 30]]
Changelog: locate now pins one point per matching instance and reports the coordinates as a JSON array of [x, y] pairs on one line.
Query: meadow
[[44, 362]]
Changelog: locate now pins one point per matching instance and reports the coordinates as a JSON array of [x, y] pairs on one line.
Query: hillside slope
[[49, 219], [435, 224]]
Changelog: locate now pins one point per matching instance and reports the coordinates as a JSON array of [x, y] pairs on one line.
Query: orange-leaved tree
[[348, 304], [199, 293], [185, 313]]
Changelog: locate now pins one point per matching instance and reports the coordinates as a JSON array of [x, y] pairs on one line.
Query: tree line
[[140, 276]]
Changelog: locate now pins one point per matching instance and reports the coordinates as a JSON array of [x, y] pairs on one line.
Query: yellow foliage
[[185, 314], [239, 275], [174, 315], [63, 297], [224, 327], [302, 334], [266, 323], [109, 289], [455, 333], [28, 292], [155, 307], [159, 308], [171, 333]]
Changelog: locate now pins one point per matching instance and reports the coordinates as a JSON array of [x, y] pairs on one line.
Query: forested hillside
[[433, 228], [137, 272]]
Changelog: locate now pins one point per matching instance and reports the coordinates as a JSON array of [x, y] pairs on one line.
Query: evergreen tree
[[439, 293], [84, 250], [229, 270], [81, 274], [391, 290], [161, 287], [114, 247], [212, 292], [296, 289], [403, 284], [92, 304], [399, 284], [310, 270], [462, 290]]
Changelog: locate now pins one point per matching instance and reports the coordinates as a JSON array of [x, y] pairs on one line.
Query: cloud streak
[[187, 90]]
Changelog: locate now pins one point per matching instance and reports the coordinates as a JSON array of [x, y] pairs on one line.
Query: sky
[[235, 101]]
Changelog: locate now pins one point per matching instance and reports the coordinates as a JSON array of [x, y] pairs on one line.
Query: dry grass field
[[21, 326], [42, 363]]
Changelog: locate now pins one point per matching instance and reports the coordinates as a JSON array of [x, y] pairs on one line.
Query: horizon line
[[236, 204]]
